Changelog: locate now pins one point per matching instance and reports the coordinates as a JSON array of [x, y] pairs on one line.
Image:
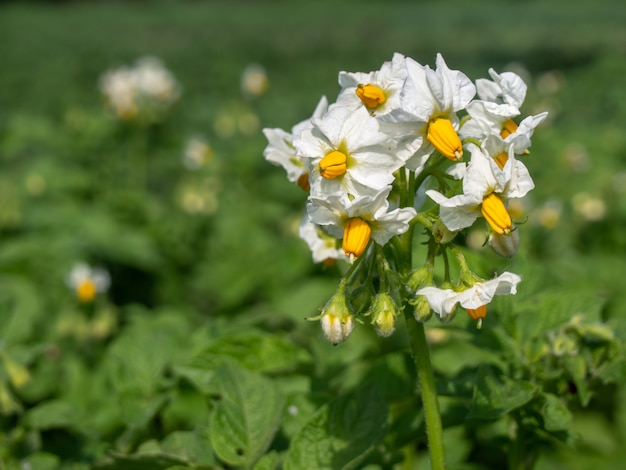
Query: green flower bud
[[422, 311], [420, 278], [384, 312]]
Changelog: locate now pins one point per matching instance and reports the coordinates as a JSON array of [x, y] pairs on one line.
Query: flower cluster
[[143, 92], [401, 146]]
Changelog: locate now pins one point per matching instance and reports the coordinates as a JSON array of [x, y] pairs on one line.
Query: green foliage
[[198, 356]]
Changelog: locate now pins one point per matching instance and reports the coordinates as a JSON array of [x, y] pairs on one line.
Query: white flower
[[254, 80], [430, 100], [505, 88], [356, 220], [155, 81], [143, 91], [280, 150], [378, 91], [323, 246], [444, 301], [87, 281], [197, 153], [500, 101], [347, 152], [486, 188]]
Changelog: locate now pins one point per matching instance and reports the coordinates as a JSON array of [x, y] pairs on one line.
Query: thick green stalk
[[421, 358]]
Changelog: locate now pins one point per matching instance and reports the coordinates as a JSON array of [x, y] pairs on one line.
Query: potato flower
[[430, 100], [474, 299], [87, 281], [346, 152], [486, 188], [359, 219], [280, 150]]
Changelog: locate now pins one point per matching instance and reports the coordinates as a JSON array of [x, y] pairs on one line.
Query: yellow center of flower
[[443, 137], [501, 159], [371, 95], [496, 214], [509, 127], [356, 236], [333, 164], [86, 291], [477, 314], [303, 182]]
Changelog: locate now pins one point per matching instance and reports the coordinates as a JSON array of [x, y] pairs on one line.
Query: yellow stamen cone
[[477, 314], [333, 165], [496, 214], [501, 159], [443, 137], [509, 127], [86, 291], [303, 182], [371, 95], [356, 236]]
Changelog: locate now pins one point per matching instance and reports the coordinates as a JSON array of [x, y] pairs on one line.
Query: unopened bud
[[337, 320], [441, 233], [505, 245], [422, 311], [384, 312]]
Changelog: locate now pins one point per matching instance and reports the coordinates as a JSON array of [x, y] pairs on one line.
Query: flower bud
[[419, 278], [441, 233], [505, 245], [422, 311], [337, 321], [384, 312]]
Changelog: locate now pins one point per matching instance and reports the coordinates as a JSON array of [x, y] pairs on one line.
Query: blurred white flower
[[591, 208], [87, 281], [143, 92], [197, 153], [254, 80]]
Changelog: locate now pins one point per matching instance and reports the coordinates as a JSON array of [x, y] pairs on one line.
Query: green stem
[[426, 377]]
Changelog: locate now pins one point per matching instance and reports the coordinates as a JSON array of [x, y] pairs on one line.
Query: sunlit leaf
[[341, 434]]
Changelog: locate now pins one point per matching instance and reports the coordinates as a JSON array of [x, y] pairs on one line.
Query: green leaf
[[51, 414], [496, 394], [246, 417], [20, 309], [188, 445], [268, 461], [556, 415], [341, 434], [255, 350], [118, 461]]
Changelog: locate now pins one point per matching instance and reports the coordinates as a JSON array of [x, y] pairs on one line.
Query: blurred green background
[[212, 251]]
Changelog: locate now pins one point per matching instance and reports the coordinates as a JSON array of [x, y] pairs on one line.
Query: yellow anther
[[371, 95], [477, 314], [356, 236], [509, 127], [501, 159], [444, 138], [333, 165], [303, 182], [496, 214], [86, 291]]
